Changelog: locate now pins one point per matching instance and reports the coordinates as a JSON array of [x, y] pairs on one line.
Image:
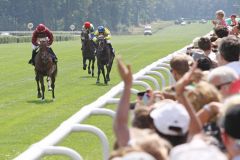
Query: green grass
[[24, 120]]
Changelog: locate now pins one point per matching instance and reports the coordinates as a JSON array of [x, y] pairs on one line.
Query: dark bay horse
[[88, 50], [104, 58], [44, 66]]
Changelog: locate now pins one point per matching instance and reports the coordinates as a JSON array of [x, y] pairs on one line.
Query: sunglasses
[[221, 85]]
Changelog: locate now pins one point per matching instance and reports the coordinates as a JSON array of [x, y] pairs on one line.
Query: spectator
[[221, 31], [202, 93], [197, 149], [205, 44], [179, 65], [229, 50], [204, 63], [230, 127], [235, 30], [234, 22], [173, 128], [220, 21], [221, 78]]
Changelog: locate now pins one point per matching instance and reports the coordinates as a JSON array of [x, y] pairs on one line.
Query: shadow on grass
[[39, 101], [101, 84], [89, 76]]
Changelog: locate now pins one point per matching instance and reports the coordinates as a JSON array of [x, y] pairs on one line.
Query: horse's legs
[[42, 87], [84, 63], [49, 80], [103, 72], [38, 87], [53, 87], [109, 68], [89, 65], [99, 71], [93, 61]]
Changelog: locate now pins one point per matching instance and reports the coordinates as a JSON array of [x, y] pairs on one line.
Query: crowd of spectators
[[197, 118]]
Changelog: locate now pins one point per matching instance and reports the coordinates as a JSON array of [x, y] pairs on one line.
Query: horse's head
[[43, 50], [101, 43], [43, 42]]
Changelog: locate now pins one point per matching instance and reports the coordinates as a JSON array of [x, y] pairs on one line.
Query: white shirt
[[236, 158], [235, 66], [212, 56]]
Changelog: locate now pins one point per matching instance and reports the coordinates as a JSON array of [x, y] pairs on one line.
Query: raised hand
[[124, 72]]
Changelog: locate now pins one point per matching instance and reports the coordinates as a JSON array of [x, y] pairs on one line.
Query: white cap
[[170, 116], [197, 149], [138, 156]]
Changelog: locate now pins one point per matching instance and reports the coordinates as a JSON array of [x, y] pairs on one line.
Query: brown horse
[[44, 66]]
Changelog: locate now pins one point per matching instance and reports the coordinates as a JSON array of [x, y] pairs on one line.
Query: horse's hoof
[[39, 95], [89, 72], [42, 100], [84, 67], [106, 83], [97, 82], [50, 89], [108, 79], [92, 75]]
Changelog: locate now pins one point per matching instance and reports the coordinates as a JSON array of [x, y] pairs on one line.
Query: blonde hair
[[203, 93], [148, 141], [220, 13]]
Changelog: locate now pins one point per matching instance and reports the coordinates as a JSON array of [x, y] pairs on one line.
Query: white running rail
[[48, 145]]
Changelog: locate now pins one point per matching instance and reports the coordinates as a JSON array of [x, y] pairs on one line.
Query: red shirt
[[46, 33]]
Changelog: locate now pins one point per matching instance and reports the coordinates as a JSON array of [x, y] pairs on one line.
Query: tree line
[[115, 14]]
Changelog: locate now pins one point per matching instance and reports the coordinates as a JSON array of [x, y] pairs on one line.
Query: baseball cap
[[197, 149], [138, 156], [171, 119]]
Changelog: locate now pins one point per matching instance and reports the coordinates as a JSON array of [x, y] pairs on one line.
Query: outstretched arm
[[121, 121], [195, 124]]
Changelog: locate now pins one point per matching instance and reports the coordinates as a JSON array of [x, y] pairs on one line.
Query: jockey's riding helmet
[[87, 25], [41, 28], [101, 29]]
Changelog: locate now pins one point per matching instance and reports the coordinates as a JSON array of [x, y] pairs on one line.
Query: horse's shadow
[[39, 101], [101, 84], [86, 77]]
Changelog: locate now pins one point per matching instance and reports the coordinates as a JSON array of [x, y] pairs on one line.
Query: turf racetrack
[[24, 119]]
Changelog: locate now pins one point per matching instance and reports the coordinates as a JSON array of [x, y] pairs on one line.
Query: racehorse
[[104, 58], [88, 51], [44, 66]]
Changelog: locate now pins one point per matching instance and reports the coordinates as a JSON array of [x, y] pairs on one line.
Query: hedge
[[24, 39]]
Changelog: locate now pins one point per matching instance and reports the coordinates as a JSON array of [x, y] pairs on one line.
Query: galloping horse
[[88, 50], [104, 58], [44, 66]]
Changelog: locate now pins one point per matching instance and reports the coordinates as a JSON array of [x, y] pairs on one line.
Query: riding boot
[[54, 57], [111, 48], [32, 60]]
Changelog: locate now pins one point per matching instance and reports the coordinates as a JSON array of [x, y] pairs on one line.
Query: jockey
[[107, 34], [90, 28], [41, 32]]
